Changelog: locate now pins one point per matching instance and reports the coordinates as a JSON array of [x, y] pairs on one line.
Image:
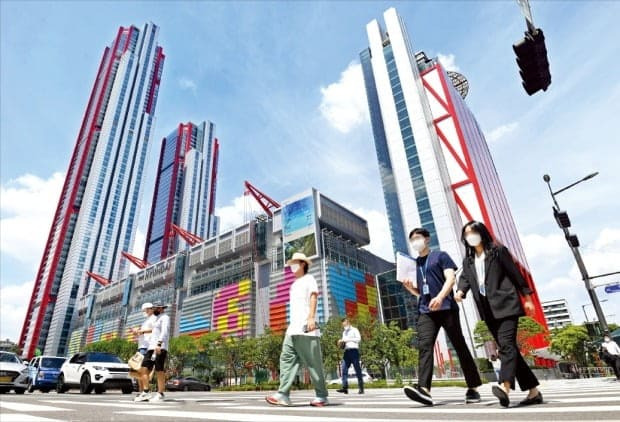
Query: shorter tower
[[185, 189]]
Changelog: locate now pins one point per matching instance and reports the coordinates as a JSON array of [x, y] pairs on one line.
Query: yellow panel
[[244, 287], [362, 309], [222, 323], [233, 305], [371, 295]]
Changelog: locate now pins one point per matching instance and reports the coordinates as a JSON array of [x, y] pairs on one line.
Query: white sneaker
[[156, 397], [143, 396]]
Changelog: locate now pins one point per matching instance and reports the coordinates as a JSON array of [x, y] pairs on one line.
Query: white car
[[97, 371], [352, 378], [10, 368]]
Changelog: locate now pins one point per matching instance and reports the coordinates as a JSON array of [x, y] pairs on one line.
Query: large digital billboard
[[299, 224]]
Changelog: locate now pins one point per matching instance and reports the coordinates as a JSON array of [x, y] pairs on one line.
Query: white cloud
[[14, 304], [538, 247], [380, 240], [186, 83], [27, 205], [344, 103], [497, 133], [233, 215], [448, 62]]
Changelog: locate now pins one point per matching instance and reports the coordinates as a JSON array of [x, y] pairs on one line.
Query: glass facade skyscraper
[[185, 189], [96, 216], [436, 168]]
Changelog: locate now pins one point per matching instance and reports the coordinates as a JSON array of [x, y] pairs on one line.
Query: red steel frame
[[266, 203], [471, 178]]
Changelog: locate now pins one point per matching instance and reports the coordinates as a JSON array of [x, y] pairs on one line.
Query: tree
[[268, 350], [331, 332], [231, 353], [482, 335], [570, 343], [181, 351], [205, 358], [528, 327], [118, 346]]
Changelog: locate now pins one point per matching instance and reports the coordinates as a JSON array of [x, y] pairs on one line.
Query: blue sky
[[281, 81]]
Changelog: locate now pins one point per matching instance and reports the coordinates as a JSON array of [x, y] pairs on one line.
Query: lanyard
[[428, 258]]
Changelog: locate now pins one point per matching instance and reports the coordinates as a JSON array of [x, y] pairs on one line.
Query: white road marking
[[22, 417], [141, 405], [28, 407]]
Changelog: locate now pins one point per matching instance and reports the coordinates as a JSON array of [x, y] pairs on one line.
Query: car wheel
[[207, 388], [19, 390], [60, 385], [186, 388], [100, 389], [85, 385], [127, 390]]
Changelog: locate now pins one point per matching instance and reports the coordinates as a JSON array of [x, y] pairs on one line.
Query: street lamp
[[573, 242], [583, 307]]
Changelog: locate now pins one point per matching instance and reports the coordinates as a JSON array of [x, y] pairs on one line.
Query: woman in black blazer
[[496, 285]]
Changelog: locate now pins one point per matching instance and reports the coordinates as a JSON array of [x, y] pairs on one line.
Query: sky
[[283, 84]]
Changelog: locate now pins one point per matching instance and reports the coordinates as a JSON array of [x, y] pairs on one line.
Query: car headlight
[[100, 368]]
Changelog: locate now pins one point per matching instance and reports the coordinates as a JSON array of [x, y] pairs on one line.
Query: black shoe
[[537, 399], [361, 391], [343, 390], [501, 395], [472, 396], [416, 393]]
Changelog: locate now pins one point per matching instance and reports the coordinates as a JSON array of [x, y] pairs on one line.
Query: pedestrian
[[350, 342], [156, 355], [437, 308], [302, 338], [611, 354], [497, 364], [144, 335], [497, 287]]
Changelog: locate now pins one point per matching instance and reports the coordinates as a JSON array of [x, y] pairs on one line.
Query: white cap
[[146, 306]]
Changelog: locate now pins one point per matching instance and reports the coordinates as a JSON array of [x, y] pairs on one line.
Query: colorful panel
[[75, 341], [354, 292], [231, 309], [278, 305], [195, 318]]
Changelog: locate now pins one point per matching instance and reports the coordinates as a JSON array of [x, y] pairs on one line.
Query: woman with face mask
[[497, 287]]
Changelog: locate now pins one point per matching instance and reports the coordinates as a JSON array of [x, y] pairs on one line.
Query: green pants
[[307, 351]]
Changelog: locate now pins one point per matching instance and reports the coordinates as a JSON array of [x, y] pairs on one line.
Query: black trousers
[[352, 357], [504, 332], [428, 329]]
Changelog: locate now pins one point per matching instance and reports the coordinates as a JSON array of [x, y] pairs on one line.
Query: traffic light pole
[[527, 14], [575, 250]]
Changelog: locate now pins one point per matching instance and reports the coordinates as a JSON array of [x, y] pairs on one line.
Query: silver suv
[[10, 368]]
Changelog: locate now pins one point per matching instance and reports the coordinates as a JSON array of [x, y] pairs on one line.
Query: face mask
[[418, 245], [607, 339], [294, 267], [473, 239], [145, 314], [157, 312]]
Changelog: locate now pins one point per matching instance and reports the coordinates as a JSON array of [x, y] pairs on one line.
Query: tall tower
[[436, 168], [184, 190], [96, 216]]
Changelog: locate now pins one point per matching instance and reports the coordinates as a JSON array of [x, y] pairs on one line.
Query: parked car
[[11, 367], [187, 384], [352, 378], [40, 374], [97, 371]]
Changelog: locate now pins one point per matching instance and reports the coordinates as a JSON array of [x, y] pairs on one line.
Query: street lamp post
[[583, 307], [564, 223]]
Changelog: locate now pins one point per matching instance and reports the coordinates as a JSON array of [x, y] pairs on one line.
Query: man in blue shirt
[[437, 307]]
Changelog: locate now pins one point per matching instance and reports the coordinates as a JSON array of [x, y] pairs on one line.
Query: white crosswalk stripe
[[576, 399]]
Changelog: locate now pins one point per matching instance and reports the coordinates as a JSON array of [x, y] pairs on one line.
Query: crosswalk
[[590, 399]]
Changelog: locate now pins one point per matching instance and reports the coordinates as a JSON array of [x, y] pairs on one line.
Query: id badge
[[425, 289], [483, 290]]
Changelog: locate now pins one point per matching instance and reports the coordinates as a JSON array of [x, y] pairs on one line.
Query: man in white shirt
[[611, 354], [302, 339], [350, 342], [144, 335], [156, 355]]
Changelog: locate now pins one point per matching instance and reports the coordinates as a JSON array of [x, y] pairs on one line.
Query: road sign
[[613, 288]]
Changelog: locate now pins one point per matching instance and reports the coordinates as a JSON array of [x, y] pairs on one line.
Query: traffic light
[[533, 63], [562, 218]]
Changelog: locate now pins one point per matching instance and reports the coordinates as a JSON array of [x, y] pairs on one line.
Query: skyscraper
[[184, 189], [435, 166], [95, 219]]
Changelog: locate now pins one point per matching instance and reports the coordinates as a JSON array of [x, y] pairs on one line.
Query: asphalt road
[[577, 400]]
